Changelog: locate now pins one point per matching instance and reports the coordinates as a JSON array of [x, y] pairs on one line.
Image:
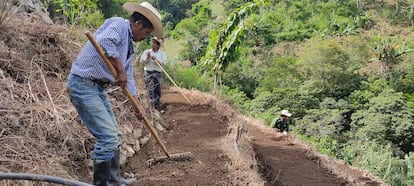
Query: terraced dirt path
[[200, 128]]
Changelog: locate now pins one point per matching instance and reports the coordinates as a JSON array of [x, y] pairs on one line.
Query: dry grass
[[8, 8], [40, 131], [237, 146]]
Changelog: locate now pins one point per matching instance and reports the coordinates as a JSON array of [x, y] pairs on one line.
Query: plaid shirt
[[115, 38]]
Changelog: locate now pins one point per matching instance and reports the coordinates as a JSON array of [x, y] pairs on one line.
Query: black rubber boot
[[116, 178], [101, 173]]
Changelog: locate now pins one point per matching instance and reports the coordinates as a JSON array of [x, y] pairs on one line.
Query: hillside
[[41, 133]]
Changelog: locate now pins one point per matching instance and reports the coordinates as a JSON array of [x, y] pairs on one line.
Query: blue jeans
[[93, 106], [152, 81]]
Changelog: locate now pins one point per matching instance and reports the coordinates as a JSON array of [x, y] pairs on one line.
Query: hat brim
[[288, 115], [150, 15], [157, 40]]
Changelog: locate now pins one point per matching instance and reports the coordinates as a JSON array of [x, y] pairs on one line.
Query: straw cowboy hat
[[147, 10], [285, 113], [158, 40]]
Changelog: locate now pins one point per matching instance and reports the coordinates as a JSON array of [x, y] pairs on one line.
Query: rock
[[136, 147], [144, 140], [129, 151], [159, 127], [137, 133], [126, 129], [89, 163], [122, 158], [130, 140], [34, 8]]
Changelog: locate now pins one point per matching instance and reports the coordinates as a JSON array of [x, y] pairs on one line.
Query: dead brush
[[237, 146], [8, 8], [39, 130]]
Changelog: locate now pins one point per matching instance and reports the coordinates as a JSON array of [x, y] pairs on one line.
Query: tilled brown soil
[[195, 129], [199, 128], [285, 163]]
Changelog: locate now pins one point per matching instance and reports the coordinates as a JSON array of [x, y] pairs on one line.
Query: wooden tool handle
[[125, 90], [165, 72]]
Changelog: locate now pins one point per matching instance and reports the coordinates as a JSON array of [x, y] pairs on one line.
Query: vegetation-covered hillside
[[344, 68]]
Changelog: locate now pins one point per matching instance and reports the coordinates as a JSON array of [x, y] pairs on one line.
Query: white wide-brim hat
[[158, 40], [285, 113], [147, 10]]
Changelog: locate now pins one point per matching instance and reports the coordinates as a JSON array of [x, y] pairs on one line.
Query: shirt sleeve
[[143, 58], [163, 58], [130, 77], [109, 38]]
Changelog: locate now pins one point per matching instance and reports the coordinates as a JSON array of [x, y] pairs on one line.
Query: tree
[[387, 119], [330, 119], [194, 32], [329, 69]]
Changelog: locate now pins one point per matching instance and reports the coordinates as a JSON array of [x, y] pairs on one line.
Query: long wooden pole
[[165, 72], [126, 91]]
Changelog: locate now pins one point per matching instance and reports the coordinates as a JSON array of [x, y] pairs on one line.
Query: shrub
[[188, 77]]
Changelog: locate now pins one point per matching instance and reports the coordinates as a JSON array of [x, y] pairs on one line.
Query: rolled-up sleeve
[[130, 76]]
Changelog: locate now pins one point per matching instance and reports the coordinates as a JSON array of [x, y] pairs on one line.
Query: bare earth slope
[[199, 129]]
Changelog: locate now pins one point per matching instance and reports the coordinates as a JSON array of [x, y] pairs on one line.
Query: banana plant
[[223, 44], [388, 52]]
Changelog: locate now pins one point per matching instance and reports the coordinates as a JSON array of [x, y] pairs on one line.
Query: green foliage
[[241, 76], [188, 77], [92, 20], [388, 52], [380, 161], [222, 48], [328, 120], [410, 169], [387, 119], [238, 98], [325, 144], [262, 103], [359, 99], [281, 74], [193, 32], [327, 64], [172, 12], [401, 78], [76, 11], [297, 20], [410, 99], [111, 8]]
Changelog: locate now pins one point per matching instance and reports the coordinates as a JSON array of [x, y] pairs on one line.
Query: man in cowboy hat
[[152, 71], [282, 123], [89, 75]]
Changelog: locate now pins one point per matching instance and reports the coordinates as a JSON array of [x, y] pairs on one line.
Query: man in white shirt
[[152, 71]]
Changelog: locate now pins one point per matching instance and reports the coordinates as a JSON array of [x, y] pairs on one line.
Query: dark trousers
[[153, 81]]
